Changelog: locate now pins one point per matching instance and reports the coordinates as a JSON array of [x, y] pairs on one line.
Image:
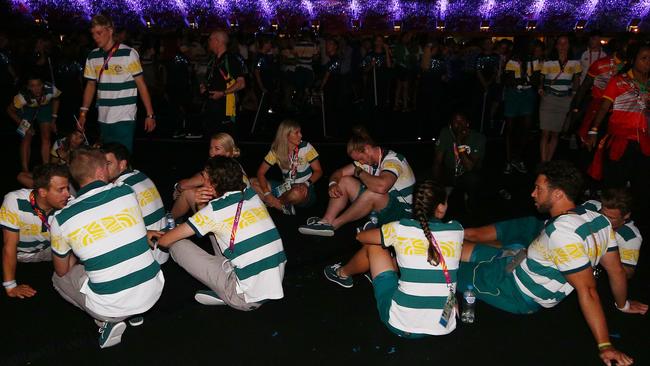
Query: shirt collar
[[90, 186]]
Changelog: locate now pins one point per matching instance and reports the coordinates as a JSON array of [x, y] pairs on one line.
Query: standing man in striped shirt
[[114, 73], [560, 259], [102, 260], [248, 263]]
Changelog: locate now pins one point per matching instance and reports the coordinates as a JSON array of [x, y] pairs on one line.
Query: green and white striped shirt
[[306, 155], [258, 257], [422, 289], [568, 244], [397, 165], [104, 228], [149, 199], [16, 214]]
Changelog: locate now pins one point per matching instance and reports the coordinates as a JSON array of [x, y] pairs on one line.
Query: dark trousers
[[634, 167]]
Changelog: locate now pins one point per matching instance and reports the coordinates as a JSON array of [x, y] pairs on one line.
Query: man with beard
[[560, 259]]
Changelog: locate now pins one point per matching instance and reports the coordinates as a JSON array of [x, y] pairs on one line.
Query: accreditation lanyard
[[562, 66], [458, 167], [235, 225], [108, 58], [443, 264], [38, 211], [293, 160]]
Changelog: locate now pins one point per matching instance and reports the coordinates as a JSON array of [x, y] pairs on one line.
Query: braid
[[427, 198]]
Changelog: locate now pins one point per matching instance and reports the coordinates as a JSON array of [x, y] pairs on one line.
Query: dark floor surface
[[317, 322]]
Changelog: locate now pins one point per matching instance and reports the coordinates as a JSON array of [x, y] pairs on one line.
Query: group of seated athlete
[[108, 242]]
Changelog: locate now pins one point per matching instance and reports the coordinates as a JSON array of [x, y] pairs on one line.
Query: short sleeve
[[89, 71], [629, 245], [311, 154], [203, 222], [392, 165], [567, 249], [545, 68], [577, 68], [271, 158], [612, 90], [389, 234], [9, 215], [55, 92], [60, 246], [134, 67]]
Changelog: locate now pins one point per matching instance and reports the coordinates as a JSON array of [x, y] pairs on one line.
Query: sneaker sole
[[208, 300], [336, 282], [115, 337], [308, 231], [136, 323]]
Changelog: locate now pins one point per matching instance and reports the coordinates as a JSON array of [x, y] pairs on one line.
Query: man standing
[[24, 217], [225, 78], [593, 53], [116, 276], [114, 72], [560, 259], [151, 205], [378, 183]]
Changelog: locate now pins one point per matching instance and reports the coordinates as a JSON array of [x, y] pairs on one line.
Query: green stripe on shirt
[[117, 256], [256, 268], [120, 52], [106, 86], [590, 228], [33, 244], [154, 217], [536, 289], [116, 102], [129, 281], [91, 202], [253, 243], [626, 233], [544, 271], [425, 275], [135, 179], [419, 302]]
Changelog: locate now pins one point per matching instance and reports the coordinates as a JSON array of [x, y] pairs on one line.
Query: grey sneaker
[[207, 297], [136, 321], [316, 226], [331, 273], [110, 334]]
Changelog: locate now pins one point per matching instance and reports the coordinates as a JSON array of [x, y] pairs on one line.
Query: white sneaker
[[110, 334], [207, 297]]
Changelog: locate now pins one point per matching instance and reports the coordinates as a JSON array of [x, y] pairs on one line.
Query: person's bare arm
[[598, 120], [372, 236], [334, 191], [582, 91], [181, 231], [13, 114], [149, 123], [63, 264], [9, 258], [317, 171], [89, 94], [194, 181], [482, 234], [379, 184], [611, 261]]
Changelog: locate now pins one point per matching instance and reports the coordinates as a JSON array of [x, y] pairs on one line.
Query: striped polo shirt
[[49, 92], [568, 244], [628, 237], [422, 289], [117, 93], [149, 199], [558, 81], [17, 215], [397, 165], [306, 155], [258, 257], [305, 52], [104, 228]]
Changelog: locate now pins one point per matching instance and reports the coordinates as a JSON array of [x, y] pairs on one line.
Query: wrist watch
[[151, 116]]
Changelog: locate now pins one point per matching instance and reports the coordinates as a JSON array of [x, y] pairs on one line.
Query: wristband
[[332, 183], [9, 284], [151, 116], [592, 132], [54, 115], [85, 109], [625, 307], [604, 346], [266, 193]]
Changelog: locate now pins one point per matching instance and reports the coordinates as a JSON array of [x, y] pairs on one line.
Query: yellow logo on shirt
[[148, 196], [629, 255], [103, 227], [249, 217], [9, 216]]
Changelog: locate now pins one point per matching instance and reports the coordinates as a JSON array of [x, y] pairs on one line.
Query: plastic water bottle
[[469, 306], [170, 223]]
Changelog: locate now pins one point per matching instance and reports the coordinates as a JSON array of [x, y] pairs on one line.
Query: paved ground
[[317, 322]]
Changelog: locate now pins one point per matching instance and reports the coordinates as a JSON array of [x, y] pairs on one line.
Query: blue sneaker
[[332, 274], [208, 297], [110, 334], [316, 226]]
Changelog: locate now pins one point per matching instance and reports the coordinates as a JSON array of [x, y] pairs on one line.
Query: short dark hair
[[225, 174], [119, 150], [43, 174], [617, 198], [84, 161], [564, 176]]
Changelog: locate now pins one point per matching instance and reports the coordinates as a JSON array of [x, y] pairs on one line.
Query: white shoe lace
[[315, 220]]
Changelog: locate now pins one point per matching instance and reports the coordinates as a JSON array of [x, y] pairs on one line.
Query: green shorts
[[518, 103], [122, 132], [311, 194], [486, 272], [394, 210], [522, 230], [40, 115], [385, 285]]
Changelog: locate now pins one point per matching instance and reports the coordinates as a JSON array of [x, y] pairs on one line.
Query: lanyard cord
[[38, 211], [235, 225]]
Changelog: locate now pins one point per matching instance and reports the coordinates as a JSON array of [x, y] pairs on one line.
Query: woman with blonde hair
[[298, 161], [195, 190]]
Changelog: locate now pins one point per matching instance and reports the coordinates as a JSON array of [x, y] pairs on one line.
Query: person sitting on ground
[[379, 182], [248, 263], [459, 156], [298, 161], [560, 259], [59, 154], [616, 205], [187, 190], [151, 205], [102, 260], [36, 104], [24, 218], [427, 255]]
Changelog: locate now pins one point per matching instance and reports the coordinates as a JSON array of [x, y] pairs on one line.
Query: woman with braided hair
[[420, 300]]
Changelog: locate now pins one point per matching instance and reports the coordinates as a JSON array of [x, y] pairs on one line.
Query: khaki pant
[[214, 271], [69, 286], [44, 255]]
